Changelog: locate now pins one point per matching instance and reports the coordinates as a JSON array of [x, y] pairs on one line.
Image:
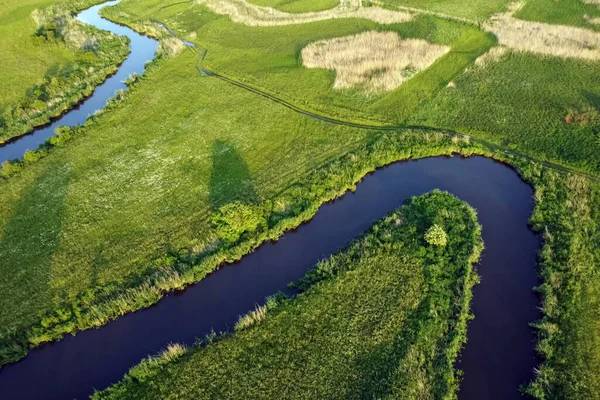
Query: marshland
[[182, 174]]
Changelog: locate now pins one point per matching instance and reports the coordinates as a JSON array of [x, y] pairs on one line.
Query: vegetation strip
[[396, 300], [98, 53]]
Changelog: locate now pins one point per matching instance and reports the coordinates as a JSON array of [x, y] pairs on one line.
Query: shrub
[[436, 236]]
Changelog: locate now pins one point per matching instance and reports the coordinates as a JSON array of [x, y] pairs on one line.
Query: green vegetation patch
[[477, 10], [385, 318], [546, 107], [297, 6], [567, 214], [269, 58], [562, 12], [50, 61]]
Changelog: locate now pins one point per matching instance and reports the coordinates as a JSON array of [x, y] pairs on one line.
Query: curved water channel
[[499, 355], [142, 48]]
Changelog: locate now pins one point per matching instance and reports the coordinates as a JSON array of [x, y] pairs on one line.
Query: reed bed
[[541, 38], [373, 61]]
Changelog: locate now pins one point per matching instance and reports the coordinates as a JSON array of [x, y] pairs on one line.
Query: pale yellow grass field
[[373, 61], [242, 12], [540, 38]]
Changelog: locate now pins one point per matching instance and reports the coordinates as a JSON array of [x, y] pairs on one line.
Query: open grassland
[[110, 220], [475, 10], [558, 96], [580, 13], [49, 61], [385, 318], [373, 61], [297, 6], [270, 57], [546, 107]]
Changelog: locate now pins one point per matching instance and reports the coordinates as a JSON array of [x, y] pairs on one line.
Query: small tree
[[436, 236], [234, 219]]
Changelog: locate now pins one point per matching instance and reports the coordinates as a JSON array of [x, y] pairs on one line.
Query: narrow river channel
[[499, 354], [143, 49]]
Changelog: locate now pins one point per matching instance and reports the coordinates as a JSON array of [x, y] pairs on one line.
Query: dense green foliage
[[568, 216], [563, 12], [50, 61], [385, 318]]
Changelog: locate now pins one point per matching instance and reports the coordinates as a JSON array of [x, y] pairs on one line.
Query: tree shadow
[[230, 179], [593, 99], [29, 240]]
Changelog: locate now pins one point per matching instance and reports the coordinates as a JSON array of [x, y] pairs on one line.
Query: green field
[[476, 10], [42, 76], [354, 331], [519, 103], [185, 172], [564, 12]]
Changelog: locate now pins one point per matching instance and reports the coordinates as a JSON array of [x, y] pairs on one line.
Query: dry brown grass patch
[[540, 38], [242, 12], [373, 61]]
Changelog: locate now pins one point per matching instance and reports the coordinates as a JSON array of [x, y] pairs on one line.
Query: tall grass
[[372, 61]]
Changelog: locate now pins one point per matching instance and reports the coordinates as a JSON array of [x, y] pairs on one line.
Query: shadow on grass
[[29, 240], [230, 178]]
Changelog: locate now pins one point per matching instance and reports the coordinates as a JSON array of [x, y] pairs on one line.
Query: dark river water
[[499, 354], [142, 51]]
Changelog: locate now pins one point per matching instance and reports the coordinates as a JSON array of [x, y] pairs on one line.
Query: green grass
[[520, 103], [269, 58], [36, 72], [297, 6], [560, 12], [568, 215], [524, 102], [385, 318], [476, 10]]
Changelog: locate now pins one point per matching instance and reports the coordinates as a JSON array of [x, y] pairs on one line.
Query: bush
[[436, 236]]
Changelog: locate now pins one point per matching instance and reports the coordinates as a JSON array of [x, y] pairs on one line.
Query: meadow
[[137, 203], [352, 319], [583, 13], [532, 103], [49, 61]]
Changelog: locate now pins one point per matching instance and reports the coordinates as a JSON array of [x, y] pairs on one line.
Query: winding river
[[142, 48], [498, 357]]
